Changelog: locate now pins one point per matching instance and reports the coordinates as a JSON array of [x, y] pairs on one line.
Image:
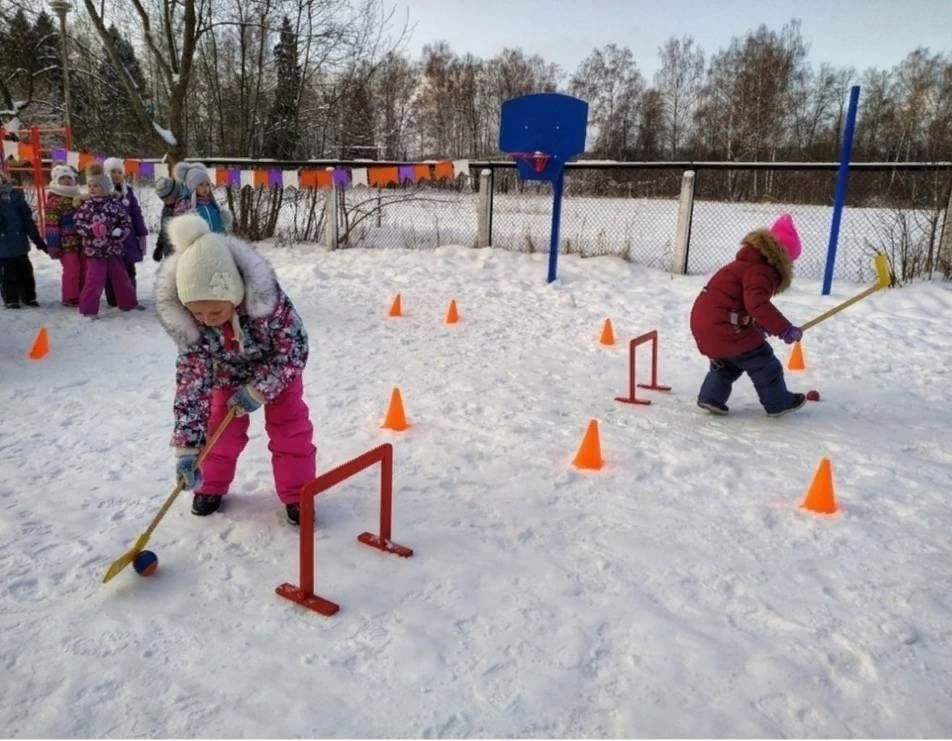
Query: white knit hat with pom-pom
[[206, 270]]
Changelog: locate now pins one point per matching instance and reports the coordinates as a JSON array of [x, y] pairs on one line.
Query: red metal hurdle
[[632, 397], [304, 594]]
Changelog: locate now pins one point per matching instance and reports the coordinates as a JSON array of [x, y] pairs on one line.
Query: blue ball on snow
[[145, 563]]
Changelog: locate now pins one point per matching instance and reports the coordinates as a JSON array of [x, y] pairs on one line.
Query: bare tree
[[611, 83], [678, 82]]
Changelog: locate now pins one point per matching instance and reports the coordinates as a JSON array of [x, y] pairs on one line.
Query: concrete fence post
[[682, 232]]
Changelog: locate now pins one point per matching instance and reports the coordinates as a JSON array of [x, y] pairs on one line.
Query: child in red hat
[[733, 313]]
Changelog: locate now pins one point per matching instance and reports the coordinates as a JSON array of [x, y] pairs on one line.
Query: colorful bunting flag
[[421, 172], [405, 173], [161, 170], [443, 170], [261, 177], [72, 159], [248, 178], [460, 167], [274, 177], [289, 179], [58, 155], [381, 177], [147, 170], [341, 177], [358, 176]]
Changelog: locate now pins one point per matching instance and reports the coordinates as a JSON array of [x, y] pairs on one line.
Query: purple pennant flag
[[234, 177], [147, 171], [341, 177], [274, 177], [58, 155], [99, 158], [404, 173]]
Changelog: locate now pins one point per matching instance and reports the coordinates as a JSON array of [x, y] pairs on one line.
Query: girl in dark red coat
[[733, 313]]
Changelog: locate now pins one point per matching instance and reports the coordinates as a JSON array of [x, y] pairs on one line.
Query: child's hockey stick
[[129, 556], [884, 279]]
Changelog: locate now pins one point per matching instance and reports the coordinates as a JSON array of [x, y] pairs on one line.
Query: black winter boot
[[294, 513], [796, 401], [205, 504]]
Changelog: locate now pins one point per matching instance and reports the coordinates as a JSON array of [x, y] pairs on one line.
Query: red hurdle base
[[303, 594], [375, 541], [632, 397], [310, 601]]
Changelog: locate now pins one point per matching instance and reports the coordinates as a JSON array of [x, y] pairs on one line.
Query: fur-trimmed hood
[[775, 254], [261, 292]]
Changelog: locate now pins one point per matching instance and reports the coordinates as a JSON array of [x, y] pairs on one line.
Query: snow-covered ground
[[679, 591]]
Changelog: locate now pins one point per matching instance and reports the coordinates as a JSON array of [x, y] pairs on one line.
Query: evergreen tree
[[283, 135], [119, 124]]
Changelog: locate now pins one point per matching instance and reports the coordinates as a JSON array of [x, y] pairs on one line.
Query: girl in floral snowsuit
[[64, 243], [103, 224], [241, 345]]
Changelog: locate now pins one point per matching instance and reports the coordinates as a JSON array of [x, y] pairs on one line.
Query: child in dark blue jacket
[[16, 227]]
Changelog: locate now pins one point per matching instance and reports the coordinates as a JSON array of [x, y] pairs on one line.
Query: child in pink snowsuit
[[103, 224], [241, 345], [64, 243]]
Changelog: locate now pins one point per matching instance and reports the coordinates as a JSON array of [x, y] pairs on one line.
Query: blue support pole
[[842, 178], [556, 219]]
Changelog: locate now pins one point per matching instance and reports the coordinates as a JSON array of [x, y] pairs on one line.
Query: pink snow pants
[[95, 282], [74, 269], [290, 434]]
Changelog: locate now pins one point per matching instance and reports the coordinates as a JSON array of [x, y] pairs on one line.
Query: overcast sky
[[857, 33]]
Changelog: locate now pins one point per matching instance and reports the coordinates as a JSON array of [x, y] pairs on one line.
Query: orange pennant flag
[[421, 172], [131, 167], [381, 177], [261, 178], [443, 170]]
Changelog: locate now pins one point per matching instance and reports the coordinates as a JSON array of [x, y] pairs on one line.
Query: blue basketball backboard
[[549, 123]]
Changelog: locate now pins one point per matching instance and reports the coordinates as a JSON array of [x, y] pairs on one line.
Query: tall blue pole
[[842, 178], [556, 218]]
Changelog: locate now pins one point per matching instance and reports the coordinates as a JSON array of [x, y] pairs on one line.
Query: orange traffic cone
[[41, 345], [396, 419], [820, 498], [396, 308], [796, 358], [608, 333], [452, 315], [589, 453]]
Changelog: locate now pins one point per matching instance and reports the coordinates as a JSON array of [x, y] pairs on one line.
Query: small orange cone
[[589, 453], [452, 315], [796, 358], [41, 345], [608, 333], [396, 308], [820, 498], [396, 419]]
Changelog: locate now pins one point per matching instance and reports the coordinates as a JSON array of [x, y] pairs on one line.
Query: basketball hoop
[[538, 159]]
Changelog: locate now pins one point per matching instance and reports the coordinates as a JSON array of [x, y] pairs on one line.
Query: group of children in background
[[98, 235]]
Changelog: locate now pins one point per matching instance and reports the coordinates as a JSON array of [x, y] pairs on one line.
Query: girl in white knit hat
[[134, 246], [241, 345], [62, 199]]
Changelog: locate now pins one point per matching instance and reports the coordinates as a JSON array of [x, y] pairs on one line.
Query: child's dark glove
[[245, 400], [792, 334], [186, 468]]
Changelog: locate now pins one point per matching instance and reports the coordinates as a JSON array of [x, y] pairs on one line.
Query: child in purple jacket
[[103, 225], [241, 345], [134, 246]]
